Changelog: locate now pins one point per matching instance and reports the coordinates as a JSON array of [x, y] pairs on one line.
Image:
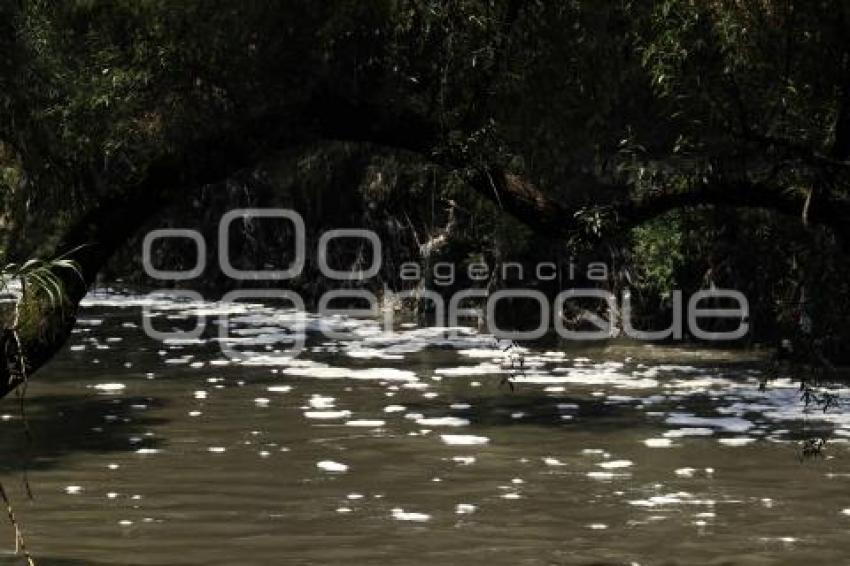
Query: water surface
[[405, 448]]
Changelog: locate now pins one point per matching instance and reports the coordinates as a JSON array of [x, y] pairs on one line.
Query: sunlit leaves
[[40, 277]]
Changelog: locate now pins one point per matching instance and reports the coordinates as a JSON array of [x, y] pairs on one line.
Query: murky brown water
[[405, 450]]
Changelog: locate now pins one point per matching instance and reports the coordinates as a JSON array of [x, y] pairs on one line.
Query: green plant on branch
[[40, 277]]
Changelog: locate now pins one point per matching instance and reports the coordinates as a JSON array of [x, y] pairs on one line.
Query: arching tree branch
[[206, 161]]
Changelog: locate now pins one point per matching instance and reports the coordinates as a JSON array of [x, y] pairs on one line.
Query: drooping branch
[[522, 199]]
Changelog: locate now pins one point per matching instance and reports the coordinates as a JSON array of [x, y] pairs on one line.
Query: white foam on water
[[658, 442], [603, 375], [679, 498], [651, 389], [728, 424], [736, 441], [607, 475], [366, 423], [371, 354], [688, 431], [615, 464], [331, 466], [321, 401], [258, 359], [400, 514], [464, 439], [443, 421], [109, 387]]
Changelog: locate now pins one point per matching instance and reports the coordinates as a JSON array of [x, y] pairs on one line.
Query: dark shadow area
[[63, 424], [539, 410]]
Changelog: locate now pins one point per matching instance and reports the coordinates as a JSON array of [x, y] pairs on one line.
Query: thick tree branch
[[530, 205], [214, 159]]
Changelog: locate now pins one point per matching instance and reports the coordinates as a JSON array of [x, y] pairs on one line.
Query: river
[[408, 448]]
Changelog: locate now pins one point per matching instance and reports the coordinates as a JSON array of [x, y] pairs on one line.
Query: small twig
[[806, 207], [20, 544], [493, 186]]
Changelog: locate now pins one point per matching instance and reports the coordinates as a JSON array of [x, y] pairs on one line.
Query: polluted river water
[[409, 448]]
